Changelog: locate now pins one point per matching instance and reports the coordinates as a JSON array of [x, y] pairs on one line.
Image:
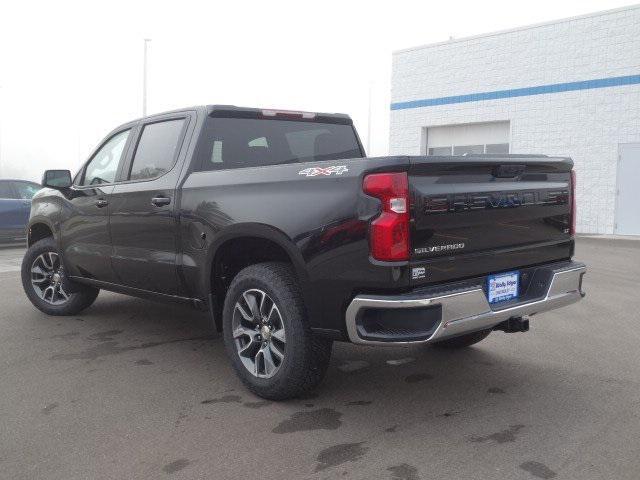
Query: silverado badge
[[439, 248]]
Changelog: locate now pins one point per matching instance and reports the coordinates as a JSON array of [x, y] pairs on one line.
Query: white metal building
[[569, 87]]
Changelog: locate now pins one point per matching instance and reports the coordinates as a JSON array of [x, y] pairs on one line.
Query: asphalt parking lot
[[134, 389]]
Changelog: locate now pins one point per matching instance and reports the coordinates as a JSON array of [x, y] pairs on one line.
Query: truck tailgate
[[474, 215]]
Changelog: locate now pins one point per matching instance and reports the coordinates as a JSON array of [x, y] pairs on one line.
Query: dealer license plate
[[503, 286]]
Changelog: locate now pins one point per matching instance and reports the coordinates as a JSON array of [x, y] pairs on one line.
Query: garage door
[[628, 202], [490, 137]]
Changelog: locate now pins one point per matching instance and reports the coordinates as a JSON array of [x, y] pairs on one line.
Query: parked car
[[15, 204], [276, 224]]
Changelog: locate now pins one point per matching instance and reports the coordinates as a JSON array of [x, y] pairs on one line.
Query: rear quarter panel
[[321, 220]]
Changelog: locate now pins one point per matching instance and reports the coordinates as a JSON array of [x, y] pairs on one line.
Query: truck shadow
[[417, 382]]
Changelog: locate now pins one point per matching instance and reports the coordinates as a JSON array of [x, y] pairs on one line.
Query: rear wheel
[[266, 334], [45, 283], [463, 340]]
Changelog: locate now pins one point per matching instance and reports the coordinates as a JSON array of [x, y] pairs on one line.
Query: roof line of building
[[517, 29]]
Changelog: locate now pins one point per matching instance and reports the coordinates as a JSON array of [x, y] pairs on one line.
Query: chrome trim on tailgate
[[468, 310]]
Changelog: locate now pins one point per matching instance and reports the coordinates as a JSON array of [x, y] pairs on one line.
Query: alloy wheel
[[258, 333], [47, 275]]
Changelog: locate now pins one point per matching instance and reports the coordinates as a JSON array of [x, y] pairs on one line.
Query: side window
[[157, 149], [6, 191], [259, 142], [216, 152], [25, 190], [104, 165]]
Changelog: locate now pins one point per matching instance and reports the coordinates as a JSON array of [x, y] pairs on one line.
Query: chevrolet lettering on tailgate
[[486, 201]]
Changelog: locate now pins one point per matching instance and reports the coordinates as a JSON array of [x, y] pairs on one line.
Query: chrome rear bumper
[[465, 311]]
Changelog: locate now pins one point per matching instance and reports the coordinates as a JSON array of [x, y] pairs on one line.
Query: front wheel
[[46, 285], [266, 334]]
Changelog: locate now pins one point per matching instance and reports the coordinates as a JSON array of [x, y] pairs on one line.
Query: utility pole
[[1, 116], [369, 120], [144, 78]]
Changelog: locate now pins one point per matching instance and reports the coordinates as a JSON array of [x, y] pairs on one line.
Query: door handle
[[160, 201], [101, 203]]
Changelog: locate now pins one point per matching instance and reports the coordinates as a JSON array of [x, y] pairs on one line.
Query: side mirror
[[56, 179]]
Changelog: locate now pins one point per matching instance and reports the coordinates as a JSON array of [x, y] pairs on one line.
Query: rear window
[[241, 142], [157, 149]]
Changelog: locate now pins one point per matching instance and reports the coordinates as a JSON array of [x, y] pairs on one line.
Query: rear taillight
[[389, 232], [572, 231]]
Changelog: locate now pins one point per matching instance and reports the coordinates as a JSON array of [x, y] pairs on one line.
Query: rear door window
[[241, 142], [157, 149]]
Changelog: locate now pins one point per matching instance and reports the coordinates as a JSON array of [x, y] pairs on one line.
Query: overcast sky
[[72, 71]]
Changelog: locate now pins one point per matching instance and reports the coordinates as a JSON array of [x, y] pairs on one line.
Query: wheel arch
[[38, 229], [256, 243]]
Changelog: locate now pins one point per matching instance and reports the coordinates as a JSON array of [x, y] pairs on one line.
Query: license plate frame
[[502, 287]]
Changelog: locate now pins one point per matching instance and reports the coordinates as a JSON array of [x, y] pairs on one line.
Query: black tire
[[79, 296], [463, 340], [306, 357]]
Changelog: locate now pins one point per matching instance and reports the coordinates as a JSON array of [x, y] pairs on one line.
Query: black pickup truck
[[278, 226]]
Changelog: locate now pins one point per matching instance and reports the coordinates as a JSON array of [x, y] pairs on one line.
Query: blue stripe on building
[[520, 92]]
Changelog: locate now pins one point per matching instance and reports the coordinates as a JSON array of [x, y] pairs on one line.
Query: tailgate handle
[[508, 171]]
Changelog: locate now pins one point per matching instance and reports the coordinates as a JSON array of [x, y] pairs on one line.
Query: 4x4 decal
[[315, 171]]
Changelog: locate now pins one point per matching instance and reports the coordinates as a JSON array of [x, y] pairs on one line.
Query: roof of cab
[[233, 111], [274, 113]]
